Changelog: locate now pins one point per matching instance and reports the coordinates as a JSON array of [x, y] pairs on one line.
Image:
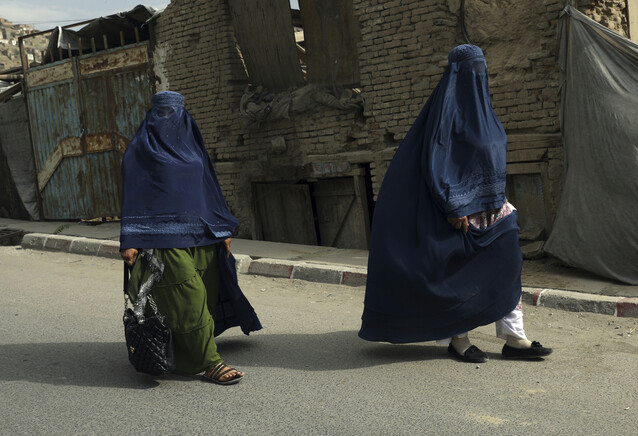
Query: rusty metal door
[[82, 113]]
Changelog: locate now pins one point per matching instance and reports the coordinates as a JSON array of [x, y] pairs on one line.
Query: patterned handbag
[[148, 338]]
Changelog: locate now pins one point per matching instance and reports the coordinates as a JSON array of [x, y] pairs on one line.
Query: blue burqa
[[171, 199], [426, 279]]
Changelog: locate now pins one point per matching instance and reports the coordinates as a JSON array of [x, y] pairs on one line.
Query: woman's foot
[[223, 374], [461, 343], [462, 349], [534, 351], [514, 342]]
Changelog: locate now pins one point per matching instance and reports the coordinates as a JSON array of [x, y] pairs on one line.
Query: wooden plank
[[264, 31], [331, 34], [341, 217], [64, 148], [284, 213], [111, 60], [8, 93], [98, 142], [362, 198], [23, 54], [526, 155], [522, 141], [49, 74], [70, 146], [355, 157], [49, 167], [524, 168]]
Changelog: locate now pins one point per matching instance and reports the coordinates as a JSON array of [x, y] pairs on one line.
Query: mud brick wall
[[402, 54], [609, 13]]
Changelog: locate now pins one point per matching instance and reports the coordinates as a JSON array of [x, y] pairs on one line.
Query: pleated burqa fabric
[[426, 279], [171, 197]]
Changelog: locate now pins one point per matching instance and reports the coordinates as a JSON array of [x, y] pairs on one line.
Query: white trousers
[[511, 324]]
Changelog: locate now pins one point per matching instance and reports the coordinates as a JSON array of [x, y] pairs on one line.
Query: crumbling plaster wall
[[402, 54]]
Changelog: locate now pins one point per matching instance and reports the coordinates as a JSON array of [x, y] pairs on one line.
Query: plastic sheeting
[[15, 147], [595, 227], [260, 105], [109, 27]]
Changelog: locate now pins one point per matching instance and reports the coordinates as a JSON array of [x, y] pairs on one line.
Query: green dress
[[186, 295]]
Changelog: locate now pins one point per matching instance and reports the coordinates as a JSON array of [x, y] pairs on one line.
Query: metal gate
[[82, 113]]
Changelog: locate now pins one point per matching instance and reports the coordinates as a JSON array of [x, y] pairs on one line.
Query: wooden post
[[137, 34], [122, 38], [93, 44], [60, 53], [23, 56], [80, 44], [68, 47], [106, 42]]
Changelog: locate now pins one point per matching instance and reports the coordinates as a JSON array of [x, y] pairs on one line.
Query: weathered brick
[[402, 54]]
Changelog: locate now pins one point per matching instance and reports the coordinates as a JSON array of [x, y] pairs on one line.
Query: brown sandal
[[215, 373]]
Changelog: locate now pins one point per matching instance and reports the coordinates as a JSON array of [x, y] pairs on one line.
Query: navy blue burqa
[[171, 199], [427, 280]]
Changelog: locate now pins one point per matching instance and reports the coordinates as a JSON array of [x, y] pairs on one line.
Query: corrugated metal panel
[[55, 118], [82, 125], [131, 95], [103, 168]]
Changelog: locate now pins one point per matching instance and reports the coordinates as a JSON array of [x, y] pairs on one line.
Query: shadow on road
[[99, 364], [320, 352], [105, 364]]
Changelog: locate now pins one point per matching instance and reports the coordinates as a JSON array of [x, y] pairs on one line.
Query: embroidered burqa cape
[[426, 279], [171, 199]]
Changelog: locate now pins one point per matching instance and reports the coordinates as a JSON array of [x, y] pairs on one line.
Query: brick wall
[[402, 54], [609, 13]]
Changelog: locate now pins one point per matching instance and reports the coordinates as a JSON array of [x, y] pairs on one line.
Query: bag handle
[[157, 269], [127, 270]]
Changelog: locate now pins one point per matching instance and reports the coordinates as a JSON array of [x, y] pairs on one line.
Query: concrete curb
[[340, 275], [579, 302], [72, 244], [312, 272]]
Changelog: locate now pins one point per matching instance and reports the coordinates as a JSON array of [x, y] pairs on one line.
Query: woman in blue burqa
[[173, 212], [444, 255]]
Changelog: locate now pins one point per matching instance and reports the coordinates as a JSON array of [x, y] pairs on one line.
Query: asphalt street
[[63, 367]]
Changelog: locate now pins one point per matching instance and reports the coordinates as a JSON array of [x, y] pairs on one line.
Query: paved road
[[63, 367]]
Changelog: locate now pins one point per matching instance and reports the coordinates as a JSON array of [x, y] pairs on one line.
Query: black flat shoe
[[536, 351], [472, 354]]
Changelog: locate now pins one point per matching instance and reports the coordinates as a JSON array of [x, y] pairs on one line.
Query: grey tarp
[[595, 227], [15, 148]]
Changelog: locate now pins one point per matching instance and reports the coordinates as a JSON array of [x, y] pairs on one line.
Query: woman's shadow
[[95, 364], [320, 352], [105, 364]]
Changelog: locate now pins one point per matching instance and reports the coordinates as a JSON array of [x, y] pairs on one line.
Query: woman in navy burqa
[[174, 213], [444, 254]]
